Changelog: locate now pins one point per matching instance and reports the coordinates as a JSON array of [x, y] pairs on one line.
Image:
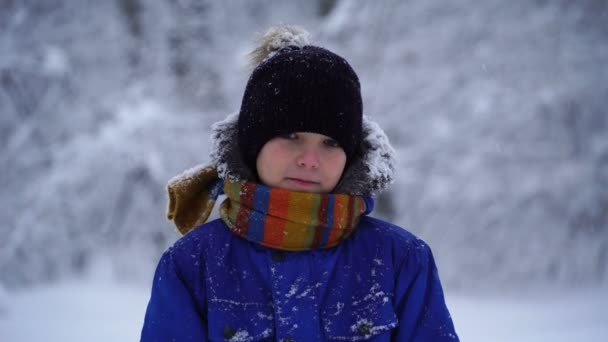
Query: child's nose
[[308, 157]]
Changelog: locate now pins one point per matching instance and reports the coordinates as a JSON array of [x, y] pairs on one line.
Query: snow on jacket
[[381, 284]]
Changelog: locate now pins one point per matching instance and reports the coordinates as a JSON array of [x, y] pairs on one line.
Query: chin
[[300, 189]]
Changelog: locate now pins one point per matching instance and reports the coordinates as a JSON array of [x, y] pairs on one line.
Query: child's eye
[[289, 136], [331, 143]]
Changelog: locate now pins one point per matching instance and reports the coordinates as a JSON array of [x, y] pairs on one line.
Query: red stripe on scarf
[[316, 240], [274, 226], [339, 225], [349, 213]]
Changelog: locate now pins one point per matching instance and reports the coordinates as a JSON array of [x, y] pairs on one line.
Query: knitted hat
[[299, 88]]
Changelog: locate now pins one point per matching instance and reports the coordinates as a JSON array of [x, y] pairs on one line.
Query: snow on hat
[[298, 87]]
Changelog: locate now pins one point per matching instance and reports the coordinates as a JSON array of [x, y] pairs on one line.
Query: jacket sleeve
[[173, 313], [419, 300]]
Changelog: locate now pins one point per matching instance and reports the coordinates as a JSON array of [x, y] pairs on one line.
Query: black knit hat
[[300, 89]]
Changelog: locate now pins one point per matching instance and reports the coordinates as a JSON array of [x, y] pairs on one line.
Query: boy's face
[[304, 162]]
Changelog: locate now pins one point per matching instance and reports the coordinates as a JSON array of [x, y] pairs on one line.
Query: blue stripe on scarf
[[330, 219], [369, 204], [216, 188], [256, 220]]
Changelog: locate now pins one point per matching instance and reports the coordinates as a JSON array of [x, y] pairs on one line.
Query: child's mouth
[[302, 183]]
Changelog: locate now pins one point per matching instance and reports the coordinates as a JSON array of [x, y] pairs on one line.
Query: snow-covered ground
[[542, 316], [95, 310]]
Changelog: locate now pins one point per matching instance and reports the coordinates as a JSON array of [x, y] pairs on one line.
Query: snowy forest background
[[497, 110]]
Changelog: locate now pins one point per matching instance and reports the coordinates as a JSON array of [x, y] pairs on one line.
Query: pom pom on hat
[[275, 39]]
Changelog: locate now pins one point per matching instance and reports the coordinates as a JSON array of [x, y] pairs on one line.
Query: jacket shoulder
[[399, 241], [377, 228], [210, 233]]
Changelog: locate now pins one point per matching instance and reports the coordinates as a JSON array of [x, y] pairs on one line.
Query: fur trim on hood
[[368, 174]]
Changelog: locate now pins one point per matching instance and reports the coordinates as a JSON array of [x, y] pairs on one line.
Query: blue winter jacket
[[381, 284]]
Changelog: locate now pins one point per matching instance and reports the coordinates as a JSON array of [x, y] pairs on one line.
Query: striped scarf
[[288, 220]]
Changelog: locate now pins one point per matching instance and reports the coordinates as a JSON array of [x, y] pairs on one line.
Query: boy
[[294, 256]]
